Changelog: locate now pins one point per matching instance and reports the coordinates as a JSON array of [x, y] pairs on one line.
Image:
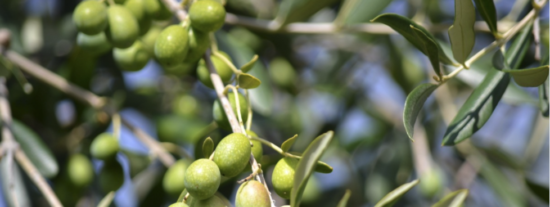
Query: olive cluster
[[105, 147]]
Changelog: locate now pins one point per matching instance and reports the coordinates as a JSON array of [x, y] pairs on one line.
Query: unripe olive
[[172, 45], [202, 179], [178, 204], [157, 10], [283, 176], [148, 39], [221, 118], [198, 43], [430, 183], [90, 17], [222, 68], [179, 69], [133, 58], [104, 147], [185, 105], [80, 170], [173, 181], [232, 154], [207, 15], [137, 8], [93, 44], [123, 28], [282, 73], [213, 201], [252, 194], [111, 176]]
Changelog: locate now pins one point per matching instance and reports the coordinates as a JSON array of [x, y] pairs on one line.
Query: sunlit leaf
[[344, 201], [306, 165], [288, 143], [487, 10], [413, 105], [39, 154], [208, 147], [248, 81], [248, 66], [430, 48], [396, 194], [461, 33], [454, 199], [402, 25], [541, 191], [531, 77], [107, 200]]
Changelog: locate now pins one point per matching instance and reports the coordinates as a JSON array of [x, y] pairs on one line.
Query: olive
[[157, 10], [123, 28], [90, 17], [430, 183], [207, 15], [202, 179], [283, 176], [173, 181], [221, 118], [148, 39], [252, 194], [172, 45], [179, 69], [80, 170], [198, 43], [213, 201], [93, 44], [104, 147], [111, 176], [185, 105], [232, 154], [133, 58], [282, 73], [222, 68], [178, 204], [137, 8]]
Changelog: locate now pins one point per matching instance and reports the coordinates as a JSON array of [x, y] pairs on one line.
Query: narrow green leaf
[[299, 10], [430, 48], [306, 164], [360, 11], [402, 25], [539, 190], [507, 190], [323, 167], [13, 177], [543, 98], [344, 201], [288, 143], [413, 105], [107, 200], [462, 33], [207, 147], [487, 10], [39, 154], [396, 194], [454, 199], [248, 66], [531, 77], [248, 81]]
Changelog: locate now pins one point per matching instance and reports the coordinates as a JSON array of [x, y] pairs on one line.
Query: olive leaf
[[248, 81], [461, 33], [248, 66], [306, 165], [39, 154], [359, 11], [531, 77], [392, 197], [543, 98], [454, 199], [288, 143], [413, 105], [207, 147], [12, 175], [402, 25], [299, 10], [540, 190], [507, 190], [430, 48], [487, 10], [107, 200], [344, 201], [320, 166]]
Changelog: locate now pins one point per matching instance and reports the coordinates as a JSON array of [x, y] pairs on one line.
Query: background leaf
[[360, 11], [299, 10], [207, 147], [539, 190], [530, 77], [305, 166], [107, 200], [396, 194], [454, 199], [430, 48], [288, 143], [487, 10], [413, 105], [461, 33], [344, 201], [39, 154], [18, 185], [543, 98]]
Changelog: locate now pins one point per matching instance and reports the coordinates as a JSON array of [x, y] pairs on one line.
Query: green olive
[[207, 15], [222, 68], [252, 194], [104, 147], [80, 170], [430, 183], [178, 204], [93, 44], [282, 73], [157, 10], [221, 118], [123, 29], [111, 176], [179, 69], [283, 176], [172, 45], [173, 181], [202, 179], [198, 43], [214, 201], [90, 17], [174, 128], [137, 8], [133, 58], [185, 105], [232, 154], [148, 39]]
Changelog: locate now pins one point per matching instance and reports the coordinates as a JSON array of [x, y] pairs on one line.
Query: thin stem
[[153, 145], [239, 114], [175, 149], [275, 147], [116, 126], [35, 176], [249, 119]]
